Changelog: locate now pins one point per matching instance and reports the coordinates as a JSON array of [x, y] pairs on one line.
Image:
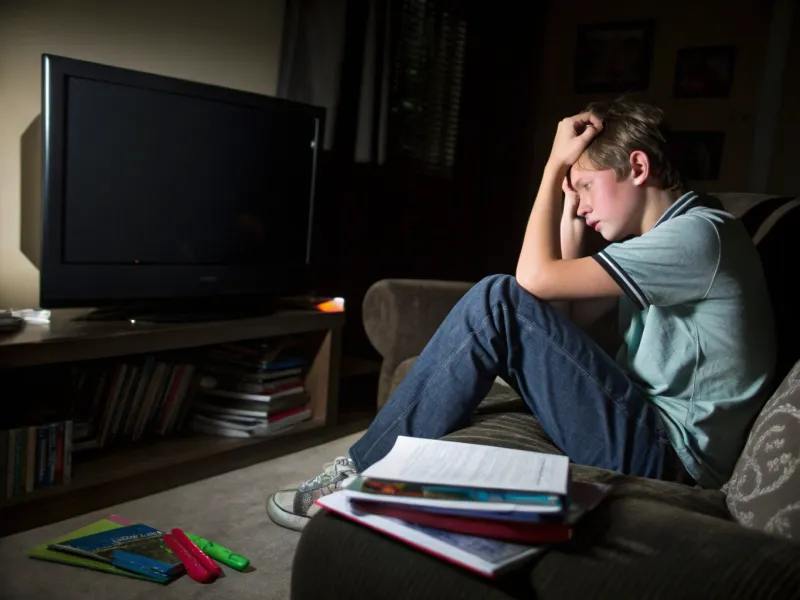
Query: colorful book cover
[[501, 526], [139, 539], [482, 555], [44, 552]]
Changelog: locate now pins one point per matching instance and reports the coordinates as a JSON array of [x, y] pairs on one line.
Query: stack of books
[[249, 390], [484, 508], [136, 550]]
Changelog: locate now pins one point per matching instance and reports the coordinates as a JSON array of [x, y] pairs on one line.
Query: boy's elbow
[[530, 282], [542, 282], [522, 277]]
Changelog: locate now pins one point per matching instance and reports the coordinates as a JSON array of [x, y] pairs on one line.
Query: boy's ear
[[640, 167]]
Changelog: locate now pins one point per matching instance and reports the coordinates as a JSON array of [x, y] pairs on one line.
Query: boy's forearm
[[542, 243], [572, 230], [572, 234]]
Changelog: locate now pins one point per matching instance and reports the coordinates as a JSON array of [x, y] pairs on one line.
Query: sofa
[[648, 539]]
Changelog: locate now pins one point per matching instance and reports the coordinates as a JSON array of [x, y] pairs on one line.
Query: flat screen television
[[157, 191]]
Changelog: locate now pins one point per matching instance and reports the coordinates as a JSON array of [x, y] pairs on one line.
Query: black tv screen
[[160, 188], [156, 178]]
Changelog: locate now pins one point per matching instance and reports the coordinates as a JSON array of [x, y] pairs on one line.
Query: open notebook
[[458, 466]]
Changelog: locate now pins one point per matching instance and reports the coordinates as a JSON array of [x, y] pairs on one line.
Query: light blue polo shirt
[[698, 330]]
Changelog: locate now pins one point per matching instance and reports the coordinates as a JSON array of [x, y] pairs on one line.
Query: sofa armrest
[[400, 317]]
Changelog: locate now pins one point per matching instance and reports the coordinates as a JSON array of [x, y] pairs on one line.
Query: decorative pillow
[[764, 492]]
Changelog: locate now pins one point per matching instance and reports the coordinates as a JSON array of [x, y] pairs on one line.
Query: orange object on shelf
[[332, 305]]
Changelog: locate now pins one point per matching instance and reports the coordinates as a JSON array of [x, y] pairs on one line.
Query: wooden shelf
[[153, 455], [69, 338], [116, 475]]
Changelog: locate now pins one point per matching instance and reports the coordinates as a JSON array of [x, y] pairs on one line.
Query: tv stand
[[45, 356], [191, 311]]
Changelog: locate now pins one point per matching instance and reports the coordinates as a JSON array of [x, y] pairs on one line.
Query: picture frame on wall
[[614, 57], [704, 72], [698, 154]]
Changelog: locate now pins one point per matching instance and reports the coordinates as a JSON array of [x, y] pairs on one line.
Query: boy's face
[[610, 205]]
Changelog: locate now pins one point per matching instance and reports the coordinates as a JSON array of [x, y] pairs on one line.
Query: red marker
[[193, 566], [203, 558]]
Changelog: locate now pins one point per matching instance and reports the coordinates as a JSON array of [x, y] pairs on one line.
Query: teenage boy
[[698, 345]]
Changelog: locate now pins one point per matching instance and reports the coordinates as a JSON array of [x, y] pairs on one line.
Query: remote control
[[10, 323]]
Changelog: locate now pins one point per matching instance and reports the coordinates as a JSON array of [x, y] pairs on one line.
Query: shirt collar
[[680, 207]]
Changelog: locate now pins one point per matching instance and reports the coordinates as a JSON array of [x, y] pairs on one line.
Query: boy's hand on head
[[572, 137], [571, 199], [572, 227]]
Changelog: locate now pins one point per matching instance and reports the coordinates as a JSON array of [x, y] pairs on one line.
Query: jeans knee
[[496, 285]]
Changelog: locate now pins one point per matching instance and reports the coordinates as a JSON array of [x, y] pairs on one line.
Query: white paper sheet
[[440, 462]]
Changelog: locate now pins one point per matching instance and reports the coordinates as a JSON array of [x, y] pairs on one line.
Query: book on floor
[[46, 552], [131, 547]]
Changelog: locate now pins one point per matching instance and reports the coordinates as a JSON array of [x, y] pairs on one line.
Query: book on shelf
[[227, 425], [125, 400], [35, 457], [266, 355], [260, 397], [510, 503], [248, 408], [251, 375], [223, 385], [250, 390], [116, 401]]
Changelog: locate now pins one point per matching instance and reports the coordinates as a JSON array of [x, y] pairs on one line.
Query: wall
[[234, 44], [679, 24], [785, 159]]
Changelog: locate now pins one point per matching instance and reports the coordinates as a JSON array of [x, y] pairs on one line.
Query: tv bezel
[[65, 285]]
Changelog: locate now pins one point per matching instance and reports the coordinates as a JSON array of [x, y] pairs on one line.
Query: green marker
[[220, 553]]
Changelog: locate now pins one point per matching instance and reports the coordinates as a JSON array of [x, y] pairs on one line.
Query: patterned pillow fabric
[[764, 492]]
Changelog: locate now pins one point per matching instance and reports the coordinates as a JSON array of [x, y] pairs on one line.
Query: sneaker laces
[[341, 465]]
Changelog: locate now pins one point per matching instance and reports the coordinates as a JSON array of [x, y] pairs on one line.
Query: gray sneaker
[[294, 508]]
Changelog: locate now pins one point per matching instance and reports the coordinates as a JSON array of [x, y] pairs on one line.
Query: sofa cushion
[[627, 548], [764, 491]]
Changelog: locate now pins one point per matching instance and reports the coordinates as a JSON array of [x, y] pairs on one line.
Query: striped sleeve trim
[[624, 280]]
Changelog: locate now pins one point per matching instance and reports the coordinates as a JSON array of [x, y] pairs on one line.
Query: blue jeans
[[584, 401]]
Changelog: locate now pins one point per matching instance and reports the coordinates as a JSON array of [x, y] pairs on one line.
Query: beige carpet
[[228, 509]]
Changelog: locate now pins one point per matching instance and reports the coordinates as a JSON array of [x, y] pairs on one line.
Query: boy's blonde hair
[[629, 126]]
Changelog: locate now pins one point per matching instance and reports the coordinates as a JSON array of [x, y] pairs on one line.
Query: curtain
[[430, 57], [389, 74], [336, 54]]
